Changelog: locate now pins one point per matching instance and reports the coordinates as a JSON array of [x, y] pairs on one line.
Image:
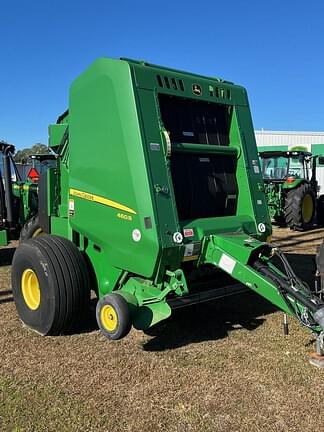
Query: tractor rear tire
[[300, 207], [113, 316], [50, 285], [280, 220], [31, 229], [320, 210]]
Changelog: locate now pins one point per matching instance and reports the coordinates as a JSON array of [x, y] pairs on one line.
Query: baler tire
[[113, 316], [31, 229], [50, 285], [295, 199]]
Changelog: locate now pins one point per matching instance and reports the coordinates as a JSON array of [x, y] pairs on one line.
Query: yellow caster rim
[[108, 318], [38, 233], [30, 289]]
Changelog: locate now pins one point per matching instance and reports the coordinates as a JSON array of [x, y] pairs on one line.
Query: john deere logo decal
[[196, 89]]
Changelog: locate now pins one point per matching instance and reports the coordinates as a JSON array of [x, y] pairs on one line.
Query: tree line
[[21, 156]]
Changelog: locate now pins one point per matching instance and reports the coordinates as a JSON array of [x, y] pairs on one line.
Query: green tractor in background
[[291, 187], [19, 197]]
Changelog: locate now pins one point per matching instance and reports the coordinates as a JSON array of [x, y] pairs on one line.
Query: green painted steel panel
[[107, 159], [56, 132]]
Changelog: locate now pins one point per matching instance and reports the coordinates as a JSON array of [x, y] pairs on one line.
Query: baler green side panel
[[157, 163], [56, 132], [108, 183], [253, 194]]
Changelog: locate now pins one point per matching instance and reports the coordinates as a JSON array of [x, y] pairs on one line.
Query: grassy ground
[[224, 366]]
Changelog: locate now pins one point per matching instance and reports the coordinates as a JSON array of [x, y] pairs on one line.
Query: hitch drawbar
[[265, 269]]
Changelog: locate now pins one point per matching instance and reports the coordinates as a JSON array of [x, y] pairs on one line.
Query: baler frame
[[139, 244]]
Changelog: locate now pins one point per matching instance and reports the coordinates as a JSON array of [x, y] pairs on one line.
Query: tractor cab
[[286, 167]]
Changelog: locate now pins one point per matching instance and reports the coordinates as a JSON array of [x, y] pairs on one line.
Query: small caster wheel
[[113, 316]]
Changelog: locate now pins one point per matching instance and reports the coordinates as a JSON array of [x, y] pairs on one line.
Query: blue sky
[[274, 48]]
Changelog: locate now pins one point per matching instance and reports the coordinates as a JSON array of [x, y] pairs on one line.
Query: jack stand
[[285, 325], [317, 358]]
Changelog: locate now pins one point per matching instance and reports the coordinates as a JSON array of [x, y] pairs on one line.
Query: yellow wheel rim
[[307, 208], [30, 289], [108, 318], [38, 233]]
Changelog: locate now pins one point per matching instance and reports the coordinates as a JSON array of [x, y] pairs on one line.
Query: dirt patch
[[223, 366], [298, 242]]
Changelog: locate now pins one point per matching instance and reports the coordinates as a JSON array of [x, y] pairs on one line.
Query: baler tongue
[[251, 262]]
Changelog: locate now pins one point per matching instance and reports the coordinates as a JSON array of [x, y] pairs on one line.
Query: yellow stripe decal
[[98, 199]]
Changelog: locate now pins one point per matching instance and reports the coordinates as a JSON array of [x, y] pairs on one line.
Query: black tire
[[320, 210], [31, 229], [118, 306], [280, 220], [295, 215], [63, 285]]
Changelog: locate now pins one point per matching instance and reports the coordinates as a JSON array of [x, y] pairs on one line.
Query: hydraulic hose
[[310, 302]]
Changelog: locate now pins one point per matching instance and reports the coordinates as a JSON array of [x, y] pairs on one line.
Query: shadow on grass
[[6, 300], [90, 322], [200, 322], [209, 321], [304, 266], [4, 296], [6, 255], [215, 320]]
